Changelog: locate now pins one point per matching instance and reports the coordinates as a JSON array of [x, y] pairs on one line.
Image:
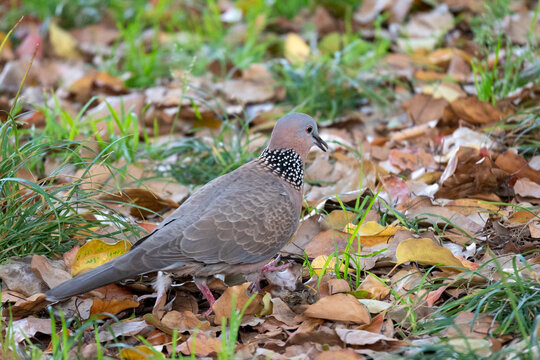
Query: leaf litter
[[412, 210]]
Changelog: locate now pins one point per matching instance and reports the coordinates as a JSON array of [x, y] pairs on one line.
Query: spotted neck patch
[[285, 163]]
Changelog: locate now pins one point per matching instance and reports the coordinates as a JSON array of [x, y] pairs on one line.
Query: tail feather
[[102, 275]]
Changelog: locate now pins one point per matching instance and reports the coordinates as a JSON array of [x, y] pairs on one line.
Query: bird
[[233, 225]]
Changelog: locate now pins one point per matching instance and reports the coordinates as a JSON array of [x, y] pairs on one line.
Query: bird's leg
[[205, 290], [255, 285], [270, 266]]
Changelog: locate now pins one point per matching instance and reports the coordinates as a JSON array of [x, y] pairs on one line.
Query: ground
[[420, 226]]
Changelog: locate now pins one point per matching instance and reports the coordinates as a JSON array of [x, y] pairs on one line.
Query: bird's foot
[[255, 285], [205, 290]]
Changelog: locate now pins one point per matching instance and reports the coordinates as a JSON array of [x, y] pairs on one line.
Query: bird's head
[[296, 131]]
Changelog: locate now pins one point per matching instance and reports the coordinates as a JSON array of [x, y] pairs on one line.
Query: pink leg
[[270, 266], [255, 285], [205, 290]]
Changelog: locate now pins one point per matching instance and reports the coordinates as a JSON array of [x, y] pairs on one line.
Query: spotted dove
[[233, 225]]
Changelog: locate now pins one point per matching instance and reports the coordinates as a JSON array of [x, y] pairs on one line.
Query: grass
[[68, 338], [495, 81], [199, 160], [44, 217], [330, 85]]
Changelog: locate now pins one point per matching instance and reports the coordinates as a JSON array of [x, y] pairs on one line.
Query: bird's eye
[[309, 129]]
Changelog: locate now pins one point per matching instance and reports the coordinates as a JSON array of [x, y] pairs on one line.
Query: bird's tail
[[102, 275]]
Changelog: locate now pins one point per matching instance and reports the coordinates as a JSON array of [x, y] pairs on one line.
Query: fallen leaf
[[295, 48], [28, 327], [22, 306], [283, 313], [339, 307], [424, 108], [360, 337], [377, 288], [434, 295], [375, 306], [323, 262], [424, 251], [223, 306], [17, 276], [527, 188], [95, 253], [448, 92], [475, 111], [337, 220], [471, 325], [112, 306], [480, 347], [327, 242], [184, 321], [342, 354], [516, 165], [200, 344], [142, 199], [140, 352], [122, 328], [62, 42], [51, 275]]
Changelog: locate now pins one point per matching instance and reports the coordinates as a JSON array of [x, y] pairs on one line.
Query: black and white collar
[[286, 163]]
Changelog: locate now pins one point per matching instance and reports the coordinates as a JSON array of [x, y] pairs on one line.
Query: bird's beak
[[321, 144]]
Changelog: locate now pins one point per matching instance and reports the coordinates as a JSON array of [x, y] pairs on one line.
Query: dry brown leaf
[[342, 354], [248, 92], [49, 274], [337, 220], [412, 159], [475, 111], [424, 108], [377, 289], [140, 198], [283, 313], [360, 337], [22, 306], [223, 306], [339, 307], [184, 321], [471, 325], [475, 175], [327, 242], [112, 306], [83, 88], [527, 188], [200, 344], [123, 328], [375, 325], [17, 276], [516, 165], [29, 326]]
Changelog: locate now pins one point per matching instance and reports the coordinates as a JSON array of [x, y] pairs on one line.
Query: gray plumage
[[234, 224]]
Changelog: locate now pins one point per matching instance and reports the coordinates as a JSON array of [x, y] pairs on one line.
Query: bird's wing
[[247, 221]]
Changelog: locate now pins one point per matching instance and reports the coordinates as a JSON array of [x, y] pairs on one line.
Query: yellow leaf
[[372, 233], [445, 91], [141, 352], [425, 252], [370, 228], [296, 49], [339, 219], [95, 253], [319, 262], [63, 43]]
